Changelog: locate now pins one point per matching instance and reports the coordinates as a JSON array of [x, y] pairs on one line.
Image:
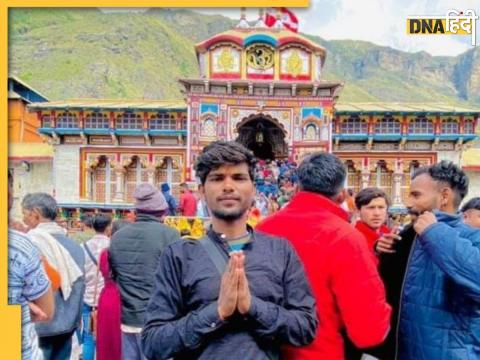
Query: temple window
[[162, 121], [407, 179], [420, 125], [96, 121], [450, 126], [382, 178], [104, 181], [46, 121], [129, 121], [354, 125], [184, 123], [468, 127], [67, 120], [353, 179], [208, 127], [168, 172], [387, 125], [135, 174], [310, 132]]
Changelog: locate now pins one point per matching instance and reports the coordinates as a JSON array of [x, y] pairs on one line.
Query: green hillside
[[71, 53]]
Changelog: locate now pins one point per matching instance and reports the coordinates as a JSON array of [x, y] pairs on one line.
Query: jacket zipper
[[401, 296]]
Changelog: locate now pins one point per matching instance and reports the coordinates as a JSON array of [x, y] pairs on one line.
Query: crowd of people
[[324, 275]]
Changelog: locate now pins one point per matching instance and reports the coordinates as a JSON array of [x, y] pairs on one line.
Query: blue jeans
[[88, 341], [132, 347]]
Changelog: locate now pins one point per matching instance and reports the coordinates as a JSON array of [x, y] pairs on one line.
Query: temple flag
[[287, 18]]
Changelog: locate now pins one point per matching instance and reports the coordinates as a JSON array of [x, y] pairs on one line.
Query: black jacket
[[134, 254], [392, 269], [182, 321]]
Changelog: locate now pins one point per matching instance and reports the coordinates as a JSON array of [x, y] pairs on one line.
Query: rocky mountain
[[71, 53]]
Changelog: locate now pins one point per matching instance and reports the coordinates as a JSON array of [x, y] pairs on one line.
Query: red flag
[[270, 17], [287, 18]]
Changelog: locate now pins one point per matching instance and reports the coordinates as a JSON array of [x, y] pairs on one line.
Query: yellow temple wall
[[38, 178]]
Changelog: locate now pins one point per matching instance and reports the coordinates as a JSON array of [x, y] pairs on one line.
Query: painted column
[[151, 173], [397, 183], [365, 173], [88, 183], [119, 189]]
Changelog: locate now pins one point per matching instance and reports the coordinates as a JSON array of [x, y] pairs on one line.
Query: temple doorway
[[264, 136]]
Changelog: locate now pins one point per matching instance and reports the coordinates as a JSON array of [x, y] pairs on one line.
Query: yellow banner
[[438, 26]]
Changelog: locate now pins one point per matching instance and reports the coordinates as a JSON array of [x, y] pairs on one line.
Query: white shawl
[[57, 256]]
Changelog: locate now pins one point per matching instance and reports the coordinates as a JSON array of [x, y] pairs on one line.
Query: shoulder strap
[[90, 255], [214, 253]]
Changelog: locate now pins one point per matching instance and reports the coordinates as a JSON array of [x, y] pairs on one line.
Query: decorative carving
[[225, 60], [260, 57], [294, 64]]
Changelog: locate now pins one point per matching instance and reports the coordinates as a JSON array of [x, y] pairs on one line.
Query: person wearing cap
[[172, 203], [134, 254]]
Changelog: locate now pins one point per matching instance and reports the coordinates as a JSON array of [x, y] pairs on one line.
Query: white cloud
[[382, 22]]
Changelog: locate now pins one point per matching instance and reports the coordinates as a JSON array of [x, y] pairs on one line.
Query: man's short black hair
[[86, 219], [473, 203], [100, 222], [322, 173], [220, 153], [365, 196], [448, 173]]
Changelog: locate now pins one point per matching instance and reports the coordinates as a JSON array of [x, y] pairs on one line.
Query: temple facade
[[263, 88]]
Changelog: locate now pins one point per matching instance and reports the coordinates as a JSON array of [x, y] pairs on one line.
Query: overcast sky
[[382, 22]]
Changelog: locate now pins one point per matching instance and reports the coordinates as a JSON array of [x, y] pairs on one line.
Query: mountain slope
[[68, 53]]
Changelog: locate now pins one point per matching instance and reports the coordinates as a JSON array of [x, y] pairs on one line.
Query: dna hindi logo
[[453, 23]]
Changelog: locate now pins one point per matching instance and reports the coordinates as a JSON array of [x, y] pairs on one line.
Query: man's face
[[31, 218], [472, 218], [228, 191], [374, 214], [425, 195]]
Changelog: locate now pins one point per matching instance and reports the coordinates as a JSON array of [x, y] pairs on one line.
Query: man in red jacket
[[341, 269], [372, 205], [188, 202]]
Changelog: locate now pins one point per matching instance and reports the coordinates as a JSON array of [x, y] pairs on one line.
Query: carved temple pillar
[[365, 173], [397, 183], [120, 172], [88, 183], [365, 178], [151, 168], [397, 189]]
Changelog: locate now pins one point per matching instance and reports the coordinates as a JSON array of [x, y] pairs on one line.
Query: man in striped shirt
[[28, 286]]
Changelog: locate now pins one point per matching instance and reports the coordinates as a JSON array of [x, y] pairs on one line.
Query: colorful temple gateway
[[262, 87]]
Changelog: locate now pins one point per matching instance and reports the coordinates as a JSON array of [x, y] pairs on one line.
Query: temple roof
[[105, 104], [271, 36], [342, 108], [17, 89]]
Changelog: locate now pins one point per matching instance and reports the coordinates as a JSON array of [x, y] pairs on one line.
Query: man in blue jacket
[[440, 304]]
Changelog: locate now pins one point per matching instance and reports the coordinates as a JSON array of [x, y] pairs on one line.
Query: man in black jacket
[[134, 253], [237, 293], [394, 256]]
